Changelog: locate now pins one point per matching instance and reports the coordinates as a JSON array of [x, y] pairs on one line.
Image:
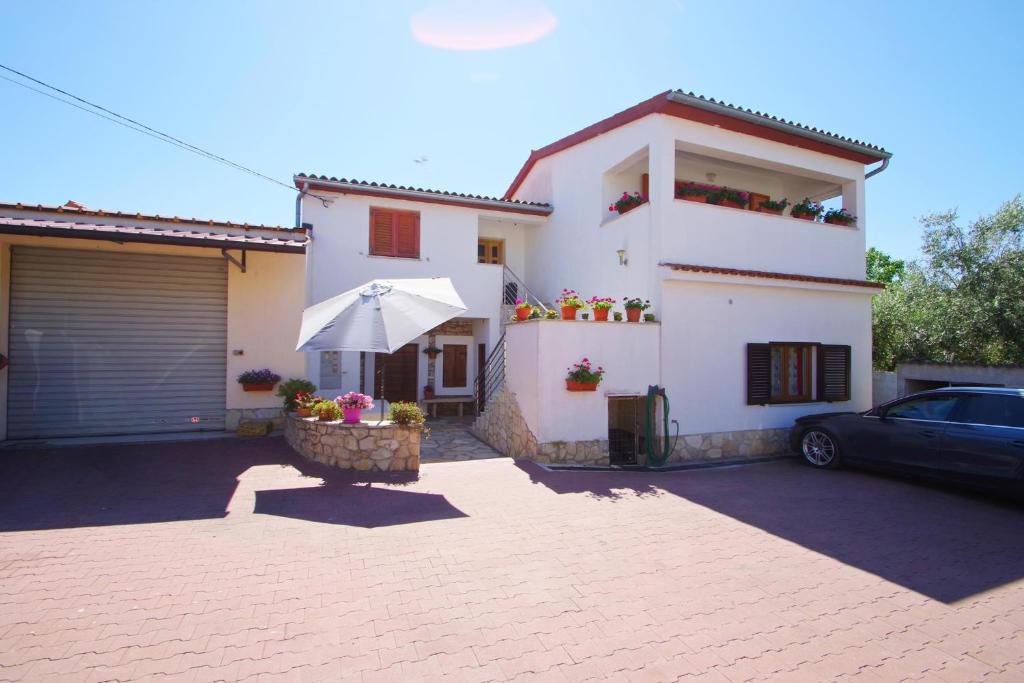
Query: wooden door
[[454, 361], [399, 372], [490, 251]]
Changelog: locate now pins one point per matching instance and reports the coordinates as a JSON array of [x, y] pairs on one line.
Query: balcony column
[[853, 200]]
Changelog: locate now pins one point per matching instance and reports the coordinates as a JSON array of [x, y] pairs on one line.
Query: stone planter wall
[[365, 446]]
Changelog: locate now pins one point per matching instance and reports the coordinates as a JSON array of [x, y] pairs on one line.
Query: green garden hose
[[657, 459]]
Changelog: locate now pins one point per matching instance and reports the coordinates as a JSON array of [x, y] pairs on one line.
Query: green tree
[[963, 302], [884, 268]]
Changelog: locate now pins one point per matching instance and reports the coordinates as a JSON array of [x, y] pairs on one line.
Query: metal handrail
[[509, 276], [491, 376]]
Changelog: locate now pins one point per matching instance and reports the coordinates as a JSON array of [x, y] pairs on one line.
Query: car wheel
[[819, 449]]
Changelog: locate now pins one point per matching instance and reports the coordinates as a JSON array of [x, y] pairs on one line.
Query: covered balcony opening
[[626, 185], [736, 182]]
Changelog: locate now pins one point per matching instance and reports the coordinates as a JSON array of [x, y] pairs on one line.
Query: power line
[[138, 127]]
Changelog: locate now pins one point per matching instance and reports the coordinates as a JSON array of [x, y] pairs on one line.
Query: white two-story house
[[760, 318]]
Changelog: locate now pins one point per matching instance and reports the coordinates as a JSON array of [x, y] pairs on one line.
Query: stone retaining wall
[[386, 447], [503, 427]]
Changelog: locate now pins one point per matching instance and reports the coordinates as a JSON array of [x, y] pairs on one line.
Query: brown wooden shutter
[[833, 373], [759, 374], [454, 363], [407, 236], [382, 232]]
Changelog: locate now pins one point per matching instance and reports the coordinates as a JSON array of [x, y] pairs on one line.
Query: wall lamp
[[623, 260]]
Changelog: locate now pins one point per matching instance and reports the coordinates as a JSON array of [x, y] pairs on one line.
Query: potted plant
[[634, 307], [523, 310], [259, 380], [290, 389], [839, 217], [327, 411], [551, 314], [428, 392], [431, 351], [601, 306], [406, 414], [570, 302], [773, 207], [352, 404], [806, 210], [692, 192], [648, 317], [627, 202], [618, 316], [726, 196], [304, 402], [583, 377], [534, 312]]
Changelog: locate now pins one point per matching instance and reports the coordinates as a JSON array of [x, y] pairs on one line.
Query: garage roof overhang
[[32, 227]]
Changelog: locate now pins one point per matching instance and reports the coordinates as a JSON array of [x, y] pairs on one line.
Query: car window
[[992, 409], [935, 408]]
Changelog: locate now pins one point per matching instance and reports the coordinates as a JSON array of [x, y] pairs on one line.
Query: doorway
[[396, 375], [626, 429]]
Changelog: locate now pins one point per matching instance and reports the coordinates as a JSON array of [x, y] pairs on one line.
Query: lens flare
[[481, 25]]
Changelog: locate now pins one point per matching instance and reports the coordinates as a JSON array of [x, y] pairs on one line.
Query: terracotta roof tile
[[769, 275], [301, 177], [134, 233], [73, 207]]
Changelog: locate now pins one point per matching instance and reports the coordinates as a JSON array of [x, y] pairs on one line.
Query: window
[[490, 251], [453, 362], [992, 409], [330, 370], [797, 372], [394, 233], [932, 408]]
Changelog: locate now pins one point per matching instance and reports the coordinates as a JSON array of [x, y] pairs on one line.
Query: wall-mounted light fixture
[[623, 261]]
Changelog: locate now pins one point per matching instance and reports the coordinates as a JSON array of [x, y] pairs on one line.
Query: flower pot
[[431, 354], [730, 203], [633, 314], [303, 412], [568, 312], [263, 386], [570, 385], [428, 394], [352, 415], [523, 313], [803, 216], [838, 221], [774, 212], [699, 198], [324, 417], [601, 314]]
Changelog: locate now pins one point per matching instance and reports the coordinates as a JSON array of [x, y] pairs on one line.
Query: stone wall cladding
[[503, 428], [364, 447], [454, 328], [235, 416], [750, 443]]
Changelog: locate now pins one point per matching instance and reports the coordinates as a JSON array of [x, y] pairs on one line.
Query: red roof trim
[[80, 210], [407, 195], [661, 104], [769, 275]]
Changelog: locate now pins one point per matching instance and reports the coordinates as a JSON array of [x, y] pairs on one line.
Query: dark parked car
[[972, 435]]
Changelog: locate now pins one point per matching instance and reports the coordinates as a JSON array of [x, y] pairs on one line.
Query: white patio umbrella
[[380, 316]]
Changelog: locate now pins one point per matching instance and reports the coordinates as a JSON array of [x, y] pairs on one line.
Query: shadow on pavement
[[943, 543]]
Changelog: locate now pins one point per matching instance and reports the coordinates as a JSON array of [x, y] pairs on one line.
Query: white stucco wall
[[264, 315], [339, 259], [706, 326], [540, 353]]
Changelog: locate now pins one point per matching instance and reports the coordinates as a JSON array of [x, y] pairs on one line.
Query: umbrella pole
[[382, 371]]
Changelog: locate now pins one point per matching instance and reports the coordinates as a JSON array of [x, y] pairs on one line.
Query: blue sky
[[345, 89]]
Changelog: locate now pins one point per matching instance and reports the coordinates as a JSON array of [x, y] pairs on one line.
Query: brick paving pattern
[[231, 559]]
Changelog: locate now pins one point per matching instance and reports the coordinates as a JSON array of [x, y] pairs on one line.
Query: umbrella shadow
[[360, 505]]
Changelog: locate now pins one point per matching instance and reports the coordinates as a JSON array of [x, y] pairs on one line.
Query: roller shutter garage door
[[105, 343]]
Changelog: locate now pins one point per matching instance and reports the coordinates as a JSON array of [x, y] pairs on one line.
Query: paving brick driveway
[[231, 559]]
